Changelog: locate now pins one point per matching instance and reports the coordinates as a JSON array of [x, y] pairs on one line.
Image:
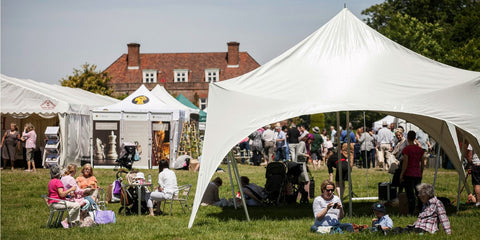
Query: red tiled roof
[[165, 63]]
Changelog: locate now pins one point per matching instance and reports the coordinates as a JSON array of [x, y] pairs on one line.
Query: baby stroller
[[293, 176], [127, 155], [276, 181], [129, 195]]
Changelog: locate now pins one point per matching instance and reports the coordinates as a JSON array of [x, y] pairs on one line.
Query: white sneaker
[[65, 223], [477, 204]]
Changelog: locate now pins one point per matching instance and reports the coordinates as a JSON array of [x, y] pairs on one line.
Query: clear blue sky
[[45, 39]]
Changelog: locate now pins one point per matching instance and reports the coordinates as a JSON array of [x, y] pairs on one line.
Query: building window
[[149, 76], [180, 75], [203, 103], [211, 75]]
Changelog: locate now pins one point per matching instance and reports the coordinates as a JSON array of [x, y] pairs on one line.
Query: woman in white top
[[167, 186], [328, 209]]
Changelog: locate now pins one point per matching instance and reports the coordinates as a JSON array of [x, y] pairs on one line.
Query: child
[[382, 221]]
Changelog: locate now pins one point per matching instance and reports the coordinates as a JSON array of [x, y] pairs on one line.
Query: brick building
[[180, 73]]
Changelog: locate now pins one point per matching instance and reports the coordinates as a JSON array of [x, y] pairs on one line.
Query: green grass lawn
[[24, 214]]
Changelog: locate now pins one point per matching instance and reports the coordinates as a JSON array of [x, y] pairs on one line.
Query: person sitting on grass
[[210, 197], [252, 192], [433, 213], [328, 209], [382, 221]]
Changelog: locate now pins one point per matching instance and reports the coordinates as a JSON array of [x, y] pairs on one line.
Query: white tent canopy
[[343, 66], [161, 94], [136, 114], [23, 97]]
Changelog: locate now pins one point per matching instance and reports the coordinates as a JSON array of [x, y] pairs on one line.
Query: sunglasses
[[329, 190]]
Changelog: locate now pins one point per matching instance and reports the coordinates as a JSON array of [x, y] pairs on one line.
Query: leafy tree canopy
[[89, 79], [445, 30]]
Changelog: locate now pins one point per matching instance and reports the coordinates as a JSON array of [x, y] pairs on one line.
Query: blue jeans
[[244, 146], [280, 154], [346, 227]]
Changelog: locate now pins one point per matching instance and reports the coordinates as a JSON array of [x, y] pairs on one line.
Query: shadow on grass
[[282, 212]]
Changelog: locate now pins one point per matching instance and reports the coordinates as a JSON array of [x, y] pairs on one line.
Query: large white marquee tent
[[24, 98], [343, 66]]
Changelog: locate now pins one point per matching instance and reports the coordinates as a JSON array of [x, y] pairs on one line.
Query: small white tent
[[24, 98], [142, 118], [162, 95], [355, 68]]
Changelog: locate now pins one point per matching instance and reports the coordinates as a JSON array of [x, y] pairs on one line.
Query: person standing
[[30, 137], [257, 147], [244, 148], [316, 146], [333, 134], [412, 170], [268, 138], [10, 144], [474, 162], [423, 141], [280, 139], [366, 145], [384, 144], [292, 137]]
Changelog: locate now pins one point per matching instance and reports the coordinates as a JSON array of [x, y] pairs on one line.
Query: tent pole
[[91, 139], [350, 163], [438, 156], [339, 156], [231, 182], [237, 176], [366, 154], [462, 155]]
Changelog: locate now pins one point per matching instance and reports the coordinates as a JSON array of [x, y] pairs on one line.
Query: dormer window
[[180, 75], [149, 76], [211, 75]]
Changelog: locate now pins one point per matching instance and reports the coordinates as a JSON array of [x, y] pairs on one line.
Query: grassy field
[[24, 214]]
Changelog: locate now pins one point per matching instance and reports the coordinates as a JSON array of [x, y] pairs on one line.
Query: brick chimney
[[233, 56], [133, 57]]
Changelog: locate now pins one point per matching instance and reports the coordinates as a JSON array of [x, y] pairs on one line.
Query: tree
[[444, 30], [89, 79]]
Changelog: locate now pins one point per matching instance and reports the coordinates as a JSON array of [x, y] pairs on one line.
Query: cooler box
[[384, 194]]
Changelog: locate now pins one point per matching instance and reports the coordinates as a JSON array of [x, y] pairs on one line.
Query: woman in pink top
[[56, 190], [30, 138], [412, 170]]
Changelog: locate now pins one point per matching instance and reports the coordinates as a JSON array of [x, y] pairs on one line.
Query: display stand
[[51, 153]]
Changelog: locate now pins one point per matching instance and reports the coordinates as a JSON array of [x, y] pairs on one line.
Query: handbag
[[301, 158], [104, 217]]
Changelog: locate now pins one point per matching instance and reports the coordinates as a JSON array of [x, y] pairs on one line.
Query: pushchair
[[293, 176], [276, 176], [127, 155], [129, 194]]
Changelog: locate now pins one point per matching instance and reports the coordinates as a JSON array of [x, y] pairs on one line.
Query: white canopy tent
[[22, 98], [356, 68], [162, 94], [134, 119], [397, 121]]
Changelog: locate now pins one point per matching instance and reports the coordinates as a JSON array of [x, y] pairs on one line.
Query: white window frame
[[149, 76], [202, 102], [212, 75], [180, 75]]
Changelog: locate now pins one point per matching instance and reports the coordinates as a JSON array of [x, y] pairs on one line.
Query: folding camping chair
[[56, 214], [181, 196]]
